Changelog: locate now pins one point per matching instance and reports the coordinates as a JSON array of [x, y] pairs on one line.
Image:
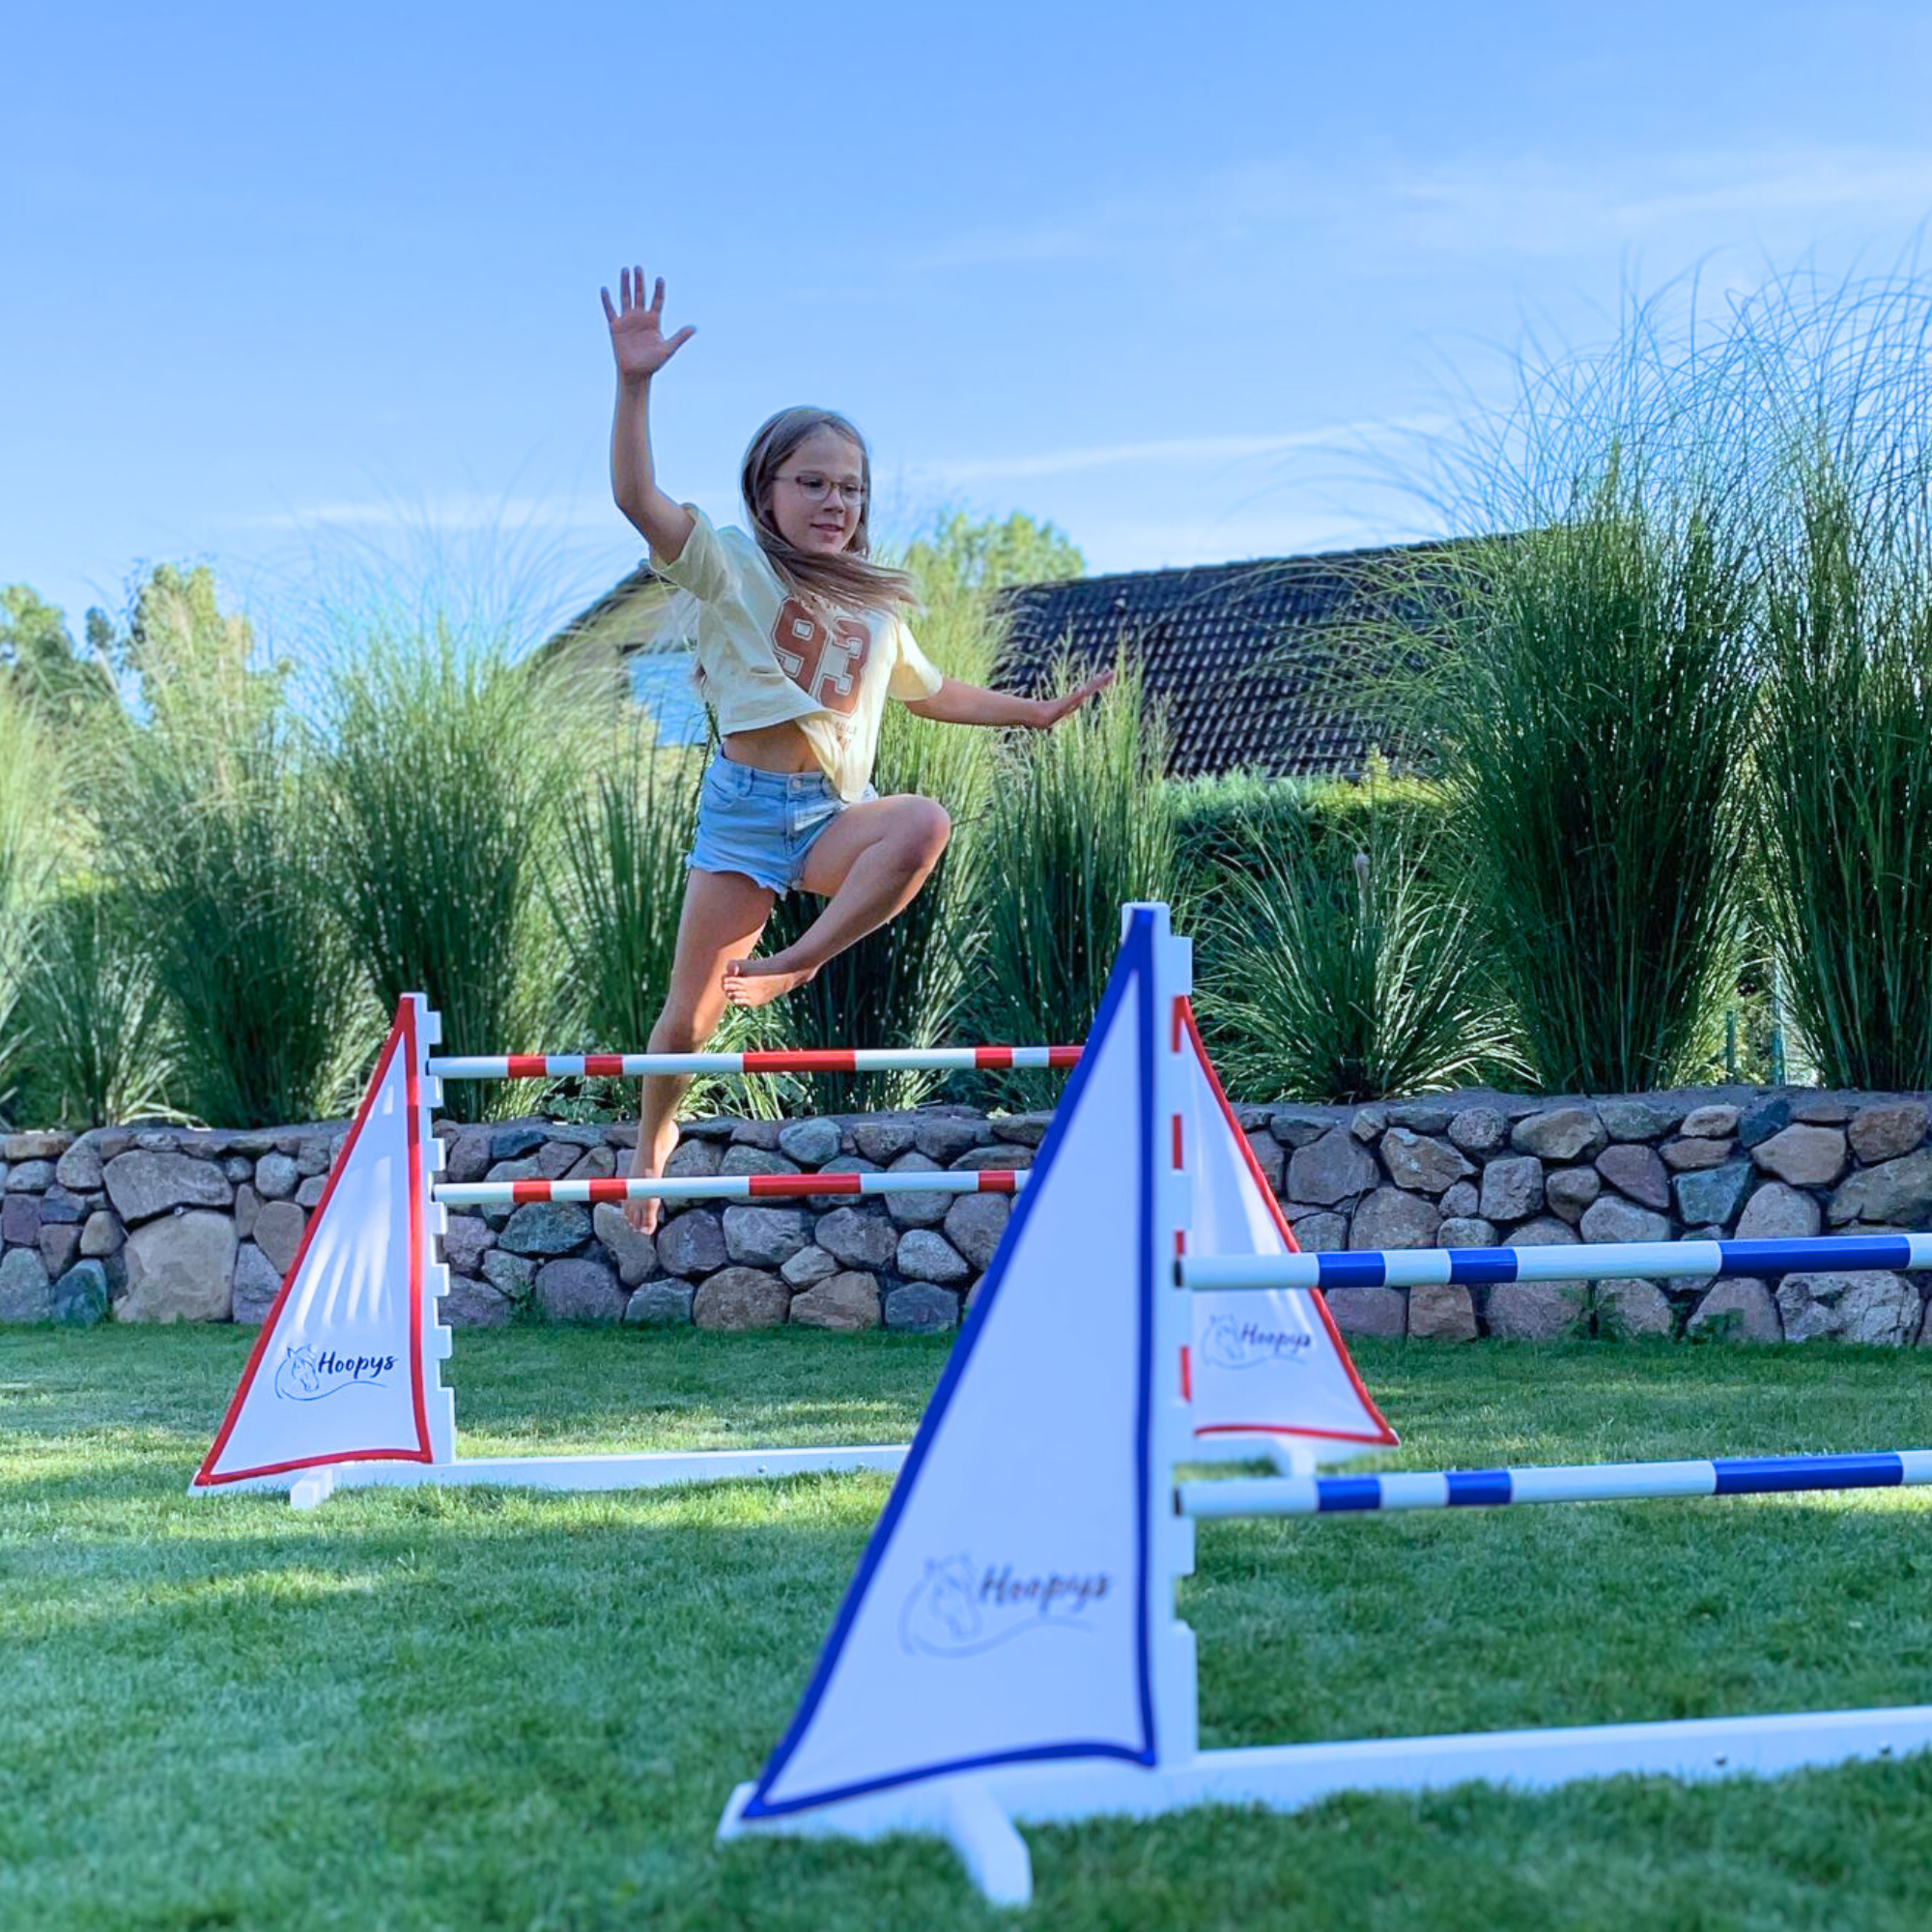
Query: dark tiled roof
[[1246, 657]]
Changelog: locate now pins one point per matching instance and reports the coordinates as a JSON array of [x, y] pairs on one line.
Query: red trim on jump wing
[[403, 1030], [528, 1066], [1388, 1435]]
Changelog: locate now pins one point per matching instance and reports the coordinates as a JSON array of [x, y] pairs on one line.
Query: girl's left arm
[[956, 703]]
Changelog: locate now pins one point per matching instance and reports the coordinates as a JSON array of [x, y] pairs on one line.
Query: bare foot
[[758, 982], [642, 1214]]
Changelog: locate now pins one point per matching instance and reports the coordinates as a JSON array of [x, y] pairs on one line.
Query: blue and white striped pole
[[1599, 1260], [1572, 1483]]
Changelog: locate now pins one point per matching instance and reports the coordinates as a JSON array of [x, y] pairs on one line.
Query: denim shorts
[[762, 824]]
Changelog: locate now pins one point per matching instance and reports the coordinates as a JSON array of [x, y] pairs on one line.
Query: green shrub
[[1077, 824], [30, 843], [1332, 970]]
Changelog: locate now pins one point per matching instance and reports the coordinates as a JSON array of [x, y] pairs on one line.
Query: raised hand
[[637, 328], [1054, 709]]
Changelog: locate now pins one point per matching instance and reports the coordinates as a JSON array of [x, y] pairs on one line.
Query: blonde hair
[[848, 576]]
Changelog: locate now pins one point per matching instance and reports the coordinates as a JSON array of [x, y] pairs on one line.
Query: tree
[[53, 682], [959, 554]]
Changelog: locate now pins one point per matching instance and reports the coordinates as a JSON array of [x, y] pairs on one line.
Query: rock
[[313, 1153], [1563, 1133], [808, 1266], [1423, 1166], [635, 1252], [237, 1170], [1368, 1311], [1426, 1117], [1645, 1118], [1317, 1231], [944, 1139], [694, 1161], [1896, 1193], [1030, 1129], [692, 1244], [180, 1268], [278, 1232], [36, 1146], [1854, 1307], [974, 1224], [26, 1294], [596, 1163], [1880, 1132], [582, 1138], [1015, 1158], [1536, 1310], [660, 1304], [1570, 1190], [755, 1160], [474, 1304], [1511, 1188], [1637, 1171], [1390, 1218], [765, 1237], [555, 1158], [857, 1239], [1466, 1231], [1626, 1307], [1804, 1157], [248, 1205], [1710, 1124], [742, 1298], [79, 1168], [514, 1143], [58, 1246], [101, 1233], [1460, 1201], [847, 1301], [61, 1207], [918, 1308], [923, 1209], [309, 1194], [883, 1141], [1776, 1212], [579, 1289], [851, 1163], [277, 1179], [1736, 1311], [1611, 1219], [1441, 1313], [465, 1242], [761, 1135], [545, 1228], [468, 1160], [142, 1186], [517, 1170], [30, 1176], [1713, 1197], [810, 1143], [1758, 1123], [1297, 1127], [1366, 1123], [257, 1283], [80, 1296], [1270, 1157], [1335, 1168], [1821, 1110], [1693, 1156], [510, 1275], [21, 1220], [925, 1255]]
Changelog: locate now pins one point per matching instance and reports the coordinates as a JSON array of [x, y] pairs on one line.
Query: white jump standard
[[1010, 1649]]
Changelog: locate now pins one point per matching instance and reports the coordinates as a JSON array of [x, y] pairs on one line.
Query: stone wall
[[163, 1224]]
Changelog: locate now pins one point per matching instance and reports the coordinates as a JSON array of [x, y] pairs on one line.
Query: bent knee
[[927, 827]]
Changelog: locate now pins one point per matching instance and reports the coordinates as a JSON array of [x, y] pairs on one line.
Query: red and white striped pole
[[728, 1187], [800, 1060]]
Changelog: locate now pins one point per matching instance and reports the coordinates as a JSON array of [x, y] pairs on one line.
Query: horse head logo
[[1225, 1347], [942, 1614]]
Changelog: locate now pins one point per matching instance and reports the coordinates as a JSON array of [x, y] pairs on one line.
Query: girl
[[801, 640]]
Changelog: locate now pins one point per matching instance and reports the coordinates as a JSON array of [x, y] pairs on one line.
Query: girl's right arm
[[637, 342]]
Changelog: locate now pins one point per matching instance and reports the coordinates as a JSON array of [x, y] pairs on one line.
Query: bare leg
[[870, 863], [724, 913]]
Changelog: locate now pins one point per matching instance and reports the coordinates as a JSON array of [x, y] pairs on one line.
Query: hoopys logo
[[304, 1375], [1230, 1343], [959, 1608]]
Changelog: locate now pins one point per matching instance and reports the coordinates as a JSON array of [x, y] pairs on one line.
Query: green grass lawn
[[488, 1708]]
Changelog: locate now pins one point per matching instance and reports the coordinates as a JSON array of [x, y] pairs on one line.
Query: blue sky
[[290, 281]]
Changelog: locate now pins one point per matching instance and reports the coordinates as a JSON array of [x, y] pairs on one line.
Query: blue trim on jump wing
[[1771, 1475], [1134, 965]]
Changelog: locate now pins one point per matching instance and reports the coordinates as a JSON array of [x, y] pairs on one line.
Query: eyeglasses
[[815, 488]]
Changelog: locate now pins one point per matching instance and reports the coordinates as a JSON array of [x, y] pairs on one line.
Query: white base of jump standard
[[977, 1813]]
